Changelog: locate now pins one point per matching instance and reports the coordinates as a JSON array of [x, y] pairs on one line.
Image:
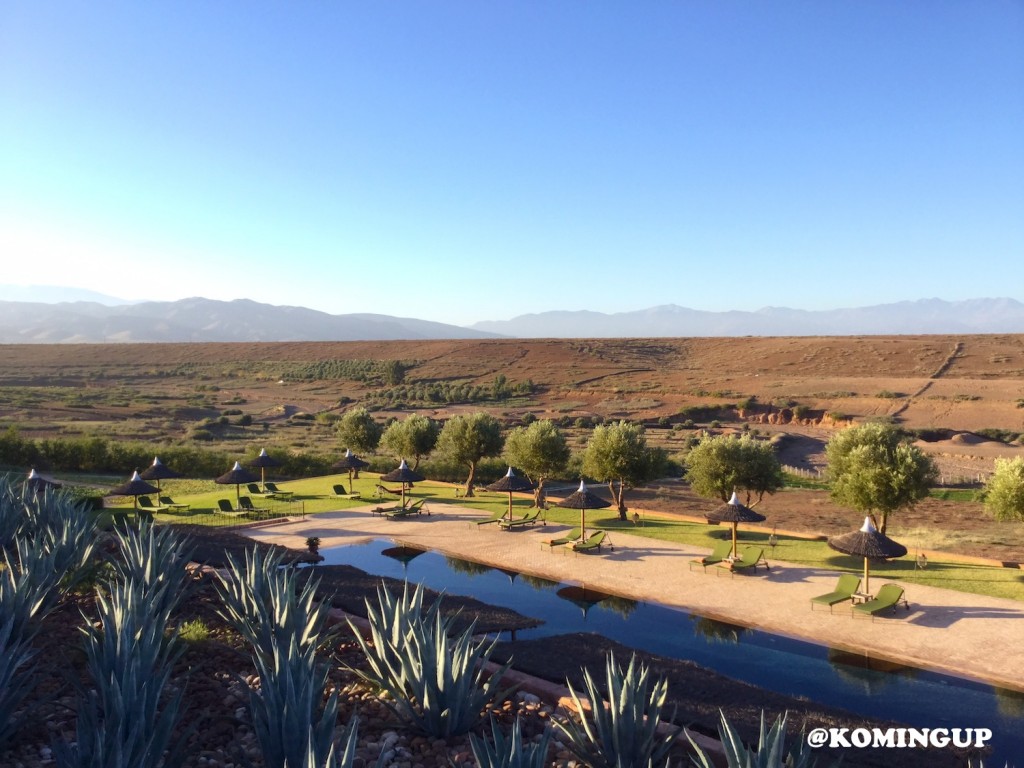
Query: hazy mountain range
[[202, 320]]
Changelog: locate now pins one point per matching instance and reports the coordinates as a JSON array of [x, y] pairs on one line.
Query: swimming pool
[[857, 683]]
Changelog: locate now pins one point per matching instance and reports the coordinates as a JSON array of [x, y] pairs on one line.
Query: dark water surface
[[856, 683]]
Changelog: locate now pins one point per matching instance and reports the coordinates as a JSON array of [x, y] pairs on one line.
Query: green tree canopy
[[1004, 492], [717, 466], [875, 467], [618, 453], [413, 438], [467, 439], [358, 431], [540, 450]]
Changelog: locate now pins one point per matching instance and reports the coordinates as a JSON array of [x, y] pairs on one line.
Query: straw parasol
[[734, 512], [582, 499], [236, 476], [402, 475], [36, 483], [135, 487], [158, 471], [263, 461], [869, 543], [512, 483], [351, 462]]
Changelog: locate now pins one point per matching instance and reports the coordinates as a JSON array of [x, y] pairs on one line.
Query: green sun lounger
[[341, 493], [749, 558], [416, 508], [255, 490], [720, 551], [147, 504], [224, 508], [530, 518], [245, 504], [172, 506], [495, 517], [848, 584], [889, 596], [570, 538], [272, 491], [592, 542]]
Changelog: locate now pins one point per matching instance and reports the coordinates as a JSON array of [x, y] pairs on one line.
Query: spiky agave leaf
[[620, 730], [770, 752], [511, 752], [436, 680], [154, 558]]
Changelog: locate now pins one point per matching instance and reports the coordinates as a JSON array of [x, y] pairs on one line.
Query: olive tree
[[618, 453], [358, 431], [540, 450], [875, 467], [1004, 492], [413, 438], [467, 439], [717, 466]]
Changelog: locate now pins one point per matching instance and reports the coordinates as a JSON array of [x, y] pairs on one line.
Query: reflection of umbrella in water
[[403, 554], [734, 512], [158, 471], [263, 461], [402, 475], [582, 598], [351, 462], [36, 483], [582, 499], [236, 476], [135, 487], [869, 543], [510, 482]]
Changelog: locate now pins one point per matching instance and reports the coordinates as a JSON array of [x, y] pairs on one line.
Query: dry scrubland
[[802, 387]]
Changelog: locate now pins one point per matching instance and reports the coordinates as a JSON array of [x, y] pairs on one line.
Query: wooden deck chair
[[848, 584], [889, 596], [720, 551]]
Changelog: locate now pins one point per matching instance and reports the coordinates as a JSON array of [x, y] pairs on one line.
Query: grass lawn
[[313, 495]]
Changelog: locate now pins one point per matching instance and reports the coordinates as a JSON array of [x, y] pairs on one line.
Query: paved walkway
[[955, 632]]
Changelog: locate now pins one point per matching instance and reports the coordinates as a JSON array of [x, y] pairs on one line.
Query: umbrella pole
[[583, 526], [734, 526], [263, 478], [510, 505], [867, 582]]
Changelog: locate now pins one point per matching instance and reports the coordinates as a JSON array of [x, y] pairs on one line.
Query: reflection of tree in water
[[868, 673], [467, 567], [538, 582], [621, 605], [716, 631], [1009, 702]]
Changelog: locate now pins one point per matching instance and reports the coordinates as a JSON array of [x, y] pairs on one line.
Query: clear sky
[[463, 161]]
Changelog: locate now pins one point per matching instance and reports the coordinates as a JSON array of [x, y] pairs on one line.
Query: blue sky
[[463, 161]]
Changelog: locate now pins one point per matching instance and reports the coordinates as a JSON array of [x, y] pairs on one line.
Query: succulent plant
[[770, 752], [620, 730], [154, 559], [511, 752], [435, 679]]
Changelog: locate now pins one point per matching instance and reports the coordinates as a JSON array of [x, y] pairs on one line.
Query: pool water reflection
[[794, 667]]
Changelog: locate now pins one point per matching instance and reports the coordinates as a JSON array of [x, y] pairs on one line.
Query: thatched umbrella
[[351, 462], [734, 512], [402, 475], [135, 487], [582, 499], [36, 483], [236, 476], [869, 543], [158, 471], [512, 483], [263, 461]]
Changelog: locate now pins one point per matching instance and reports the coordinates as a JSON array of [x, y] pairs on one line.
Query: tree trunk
[[539, 496], [885, 521], [469, 480], [617, 498]]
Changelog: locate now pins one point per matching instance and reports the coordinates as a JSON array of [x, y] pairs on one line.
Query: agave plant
[[154, 559], [435, 679], [620, 731], [770, 752], [125, 718], [509, 752], [286, 627]]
